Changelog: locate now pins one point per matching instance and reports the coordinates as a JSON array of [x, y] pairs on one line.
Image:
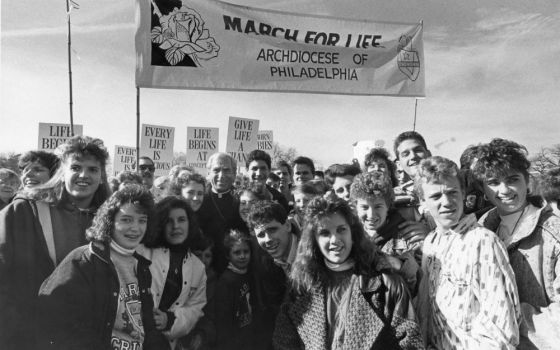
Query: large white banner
[[208, 44], [156, 142], [51, 135]]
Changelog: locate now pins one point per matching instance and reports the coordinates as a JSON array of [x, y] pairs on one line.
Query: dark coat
[[380, 316], [79, 300]]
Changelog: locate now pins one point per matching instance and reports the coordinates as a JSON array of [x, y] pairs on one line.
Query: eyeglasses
[[147, 167]]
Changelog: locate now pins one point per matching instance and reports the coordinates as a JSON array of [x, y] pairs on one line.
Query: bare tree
[[10, 161], [547, 158], [280, 152]]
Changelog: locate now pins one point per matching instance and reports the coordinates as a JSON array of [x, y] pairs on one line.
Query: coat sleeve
[[399, 310], [496, 325], [286, 336], [188, 314], [66, 301]]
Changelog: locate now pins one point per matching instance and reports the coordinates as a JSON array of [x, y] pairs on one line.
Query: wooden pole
[[137, 127], [70, 68]]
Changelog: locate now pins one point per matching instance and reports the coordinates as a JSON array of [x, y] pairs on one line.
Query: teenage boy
[[467, 297], [258, 167], [304, 170]]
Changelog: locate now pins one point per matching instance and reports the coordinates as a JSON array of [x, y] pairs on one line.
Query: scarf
[[344, 266]]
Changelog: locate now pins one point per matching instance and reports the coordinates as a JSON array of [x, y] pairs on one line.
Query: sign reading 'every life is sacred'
[[208, 44]]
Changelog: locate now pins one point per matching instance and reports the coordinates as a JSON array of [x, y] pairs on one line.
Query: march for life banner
[[265, 139], [241, 138], [208, 44], [156, 142], [124, 159], [51, 135], [202, 142]]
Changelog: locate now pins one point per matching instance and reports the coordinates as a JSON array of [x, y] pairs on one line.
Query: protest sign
[[201, 144], [241, 138], [51, 135], [208, 44], [156, 142], [124, 159], [265, 140]]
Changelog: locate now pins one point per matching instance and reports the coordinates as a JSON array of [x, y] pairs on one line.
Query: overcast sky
[[491, 71]]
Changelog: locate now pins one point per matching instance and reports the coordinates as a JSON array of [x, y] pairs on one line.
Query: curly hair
[[381, 154], [372, 185], [549, 185], [103, 225], [177, 184], [131, 176], [266, 211], [46, 159], [163, 209], [434, 170], [498, 157], [234, 237], [79, 147], [309, 270]]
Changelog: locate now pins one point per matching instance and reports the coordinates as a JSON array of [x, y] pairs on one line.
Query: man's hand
[[160, 319], [413, 231]]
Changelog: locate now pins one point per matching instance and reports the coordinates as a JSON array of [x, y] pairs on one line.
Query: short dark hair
[[47, 159], [283, 163], [498, 157], [435, 169], [305, 161], [258, 154], [408, 135], [179, 182], [381, 153], [266, 211], [340, 170], [103, 224], [234, 237], [273, 177]]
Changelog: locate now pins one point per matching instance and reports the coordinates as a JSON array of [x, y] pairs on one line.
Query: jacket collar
[[102, 251]]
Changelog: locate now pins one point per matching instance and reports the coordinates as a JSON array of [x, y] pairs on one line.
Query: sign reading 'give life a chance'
[[208, 44], [241, 138]]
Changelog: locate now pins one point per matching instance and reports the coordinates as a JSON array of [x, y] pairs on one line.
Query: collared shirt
[[468, 296]]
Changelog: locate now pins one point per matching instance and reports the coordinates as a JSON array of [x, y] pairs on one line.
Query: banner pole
[[415, 108], [70, 68], [137, 127]]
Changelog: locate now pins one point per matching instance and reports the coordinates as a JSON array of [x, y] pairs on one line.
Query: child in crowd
[[9, 184], [467, 297], [273, 181], [37, 167], [235, 323], [190, 186], [99, 296], [302, 195], [340, 299], [249, 193], [127, 178], [178, 276]]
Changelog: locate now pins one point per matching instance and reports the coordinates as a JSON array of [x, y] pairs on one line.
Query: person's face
[[508, 193], [273, 184], [8, 188], [246, 201], [378, 165], [411, 152], [341, 187], [147, 171], [274, 238], [221, 174], [193, 193], [130, 226], [177, 226], [301, 200], [258, 171], [444, 200], [302, 174], [205, 256], [334, 238], [284, 175], [82, 177], [240, 255], [372, 213], [34, 174]]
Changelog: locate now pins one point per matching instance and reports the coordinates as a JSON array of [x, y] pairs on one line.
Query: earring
[[485, 198]]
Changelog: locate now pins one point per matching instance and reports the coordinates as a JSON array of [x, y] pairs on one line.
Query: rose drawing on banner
[[181, 33]]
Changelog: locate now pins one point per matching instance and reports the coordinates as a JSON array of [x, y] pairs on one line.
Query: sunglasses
[[147, 167]]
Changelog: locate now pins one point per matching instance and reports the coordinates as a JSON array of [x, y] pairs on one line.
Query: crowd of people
[[414, 252]]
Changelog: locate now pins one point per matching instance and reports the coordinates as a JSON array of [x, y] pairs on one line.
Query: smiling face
[[444, 200], [221, 174], [258, 171], [301, 200], [177, 226], [274, 238], [240, 255], [130, 226], [372, 213], [284, 175], [334, 238], [411, 152], [378, 165], [302, 174], [8, 188], [341, 186], [508, 193], [193, 192], [34, 174], [82, 177], [246, 201]]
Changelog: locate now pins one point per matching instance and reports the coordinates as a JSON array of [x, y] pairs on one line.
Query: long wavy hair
[[103, 225], [309, 270], [78, 146], [163, 209]]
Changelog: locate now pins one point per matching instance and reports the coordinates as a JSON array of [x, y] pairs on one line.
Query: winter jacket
[[379, 316], [25, 264], [188, 306], [78, 302]]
